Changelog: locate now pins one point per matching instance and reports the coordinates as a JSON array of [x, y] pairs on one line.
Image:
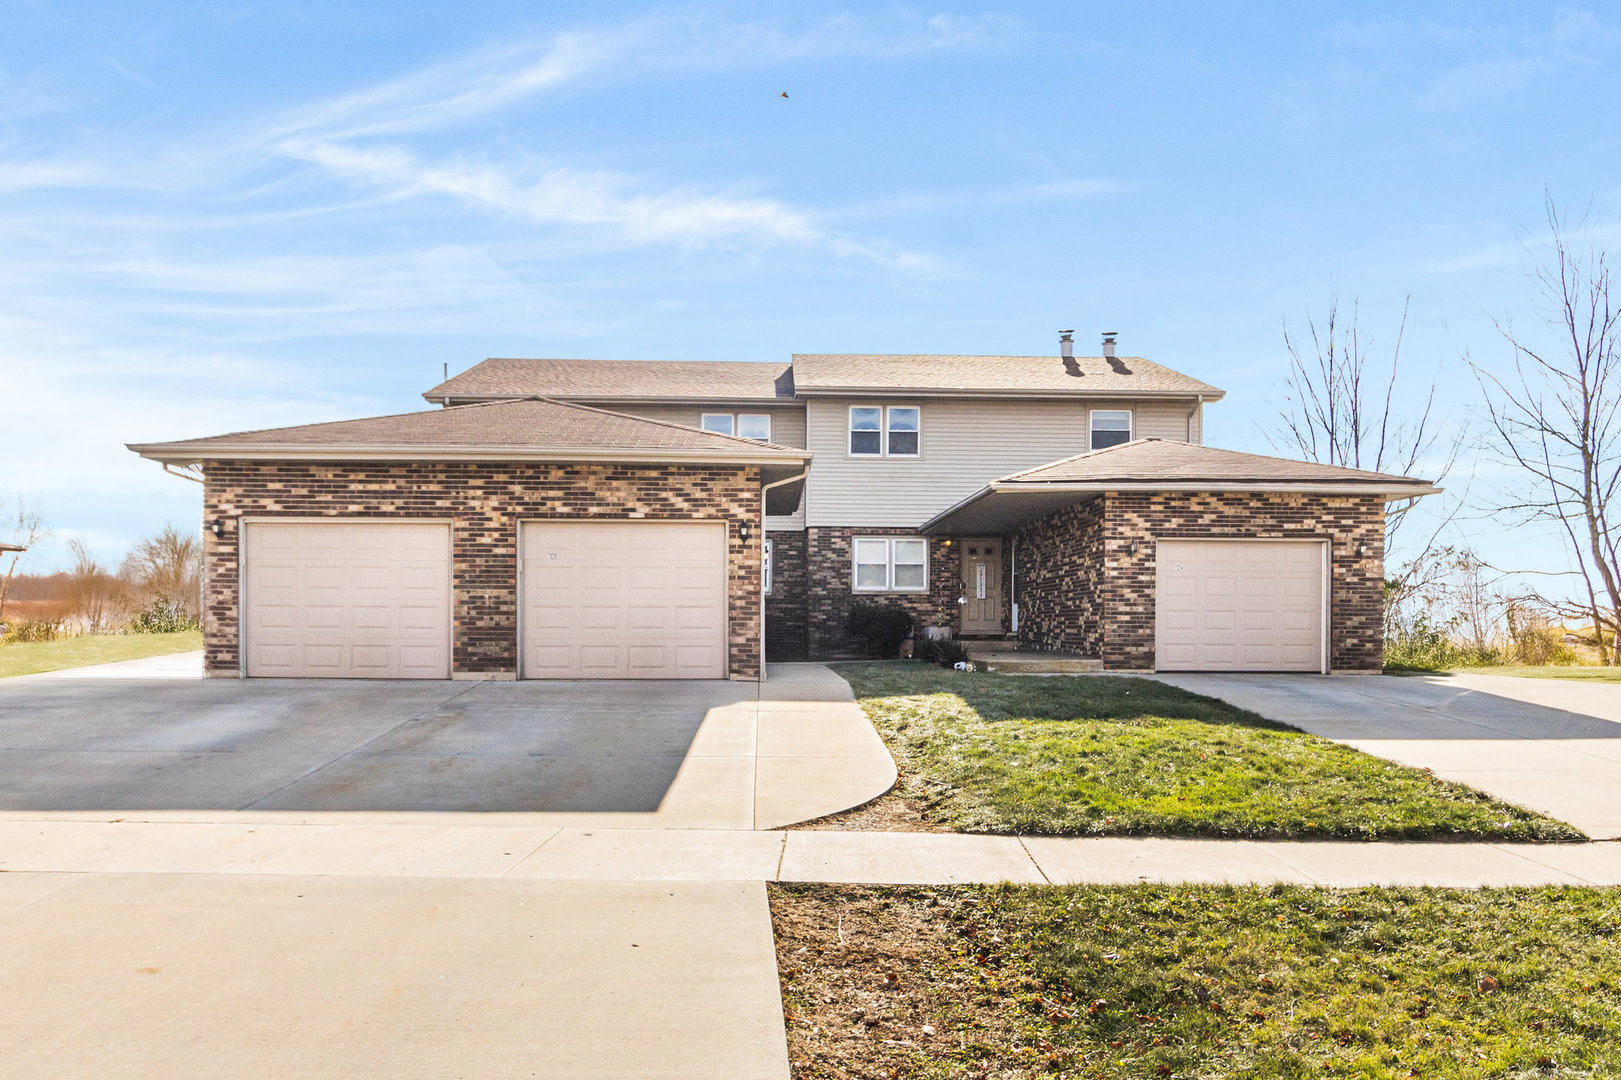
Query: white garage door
[[1239, 605], [623, 600], [346, 600]]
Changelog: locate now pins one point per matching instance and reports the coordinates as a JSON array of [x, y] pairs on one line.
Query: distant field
[[33, 657]]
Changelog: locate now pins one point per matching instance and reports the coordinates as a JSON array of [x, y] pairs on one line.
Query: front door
[[982, 586]]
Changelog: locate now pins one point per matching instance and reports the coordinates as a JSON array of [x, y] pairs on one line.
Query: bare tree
[[97, 598], [21, 527], [1557, 418], [1340, 406], [168, 568]]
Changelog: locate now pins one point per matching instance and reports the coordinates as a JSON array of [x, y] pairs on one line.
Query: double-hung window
[[1110, 427], [891, 564], [884, 431], [746, 425]]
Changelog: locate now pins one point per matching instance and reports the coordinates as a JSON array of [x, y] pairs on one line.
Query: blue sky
[[217, 217]]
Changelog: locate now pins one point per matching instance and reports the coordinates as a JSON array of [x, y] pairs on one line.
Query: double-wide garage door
[[1240, 605], [596, 600]]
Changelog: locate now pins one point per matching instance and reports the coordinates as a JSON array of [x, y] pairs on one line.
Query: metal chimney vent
[[1066, 343], [1108, 342]]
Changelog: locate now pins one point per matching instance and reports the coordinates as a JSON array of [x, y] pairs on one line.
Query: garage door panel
[[1239, 605], [648, 600], [347, 600]]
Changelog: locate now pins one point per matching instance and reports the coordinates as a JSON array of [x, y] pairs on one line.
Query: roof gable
[[1153, 460]]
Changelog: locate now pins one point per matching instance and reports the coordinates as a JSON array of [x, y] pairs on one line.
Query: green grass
[[1576, 674], [1103, 755], [1264, 983], [28, 658]]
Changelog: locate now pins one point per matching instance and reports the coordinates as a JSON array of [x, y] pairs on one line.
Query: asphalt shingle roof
[[1151, 460], [531, 426], [628, 379], [1092, 375]]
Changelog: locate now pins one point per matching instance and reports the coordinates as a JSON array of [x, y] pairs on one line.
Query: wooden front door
[[982, 586]]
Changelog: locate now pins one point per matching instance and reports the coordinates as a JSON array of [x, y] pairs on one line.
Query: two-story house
[[624, 519]]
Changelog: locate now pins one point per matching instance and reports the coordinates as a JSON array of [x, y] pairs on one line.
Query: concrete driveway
[[638, 754], [1544, 744]]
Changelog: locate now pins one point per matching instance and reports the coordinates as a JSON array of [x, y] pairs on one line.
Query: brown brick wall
[[1058, 579], [1066, 588], [484, 503], [831, 571], [787, 605]]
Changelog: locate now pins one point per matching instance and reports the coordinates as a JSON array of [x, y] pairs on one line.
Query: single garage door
[[346, 600], [623, 600], [1239, 605]]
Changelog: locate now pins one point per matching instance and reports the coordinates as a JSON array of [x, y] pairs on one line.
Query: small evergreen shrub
[[944, 653], [880, 628], [163, 616]]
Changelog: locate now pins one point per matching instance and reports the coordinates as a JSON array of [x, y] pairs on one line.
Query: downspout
[[763, 489], [182, 475]]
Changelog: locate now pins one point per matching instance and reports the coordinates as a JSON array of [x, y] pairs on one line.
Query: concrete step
[[989, 644], [1035, 663]]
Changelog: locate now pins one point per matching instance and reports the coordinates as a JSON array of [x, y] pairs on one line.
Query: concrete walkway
[[380, 849], [1543, 744]]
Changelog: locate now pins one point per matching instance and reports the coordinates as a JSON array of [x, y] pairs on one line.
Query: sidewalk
[[382, 849]]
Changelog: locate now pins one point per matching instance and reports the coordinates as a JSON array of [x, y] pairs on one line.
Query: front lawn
[[1108, 755], [28, 658], [1576, 674], [1212, 981]]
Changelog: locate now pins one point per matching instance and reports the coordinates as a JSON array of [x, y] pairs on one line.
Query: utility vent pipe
[[1066, 343], [1108, 342]]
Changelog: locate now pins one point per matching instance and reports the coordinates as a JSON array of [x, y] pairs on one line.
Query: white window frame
[[883, 431], [889, 543], [737, 426], [765, 565], [1131, 424], [736, 422]]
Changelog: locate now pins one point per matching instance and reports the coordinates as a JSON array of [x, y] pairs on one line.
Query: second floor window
[[1110, 427], [884, 431], [746, 425]]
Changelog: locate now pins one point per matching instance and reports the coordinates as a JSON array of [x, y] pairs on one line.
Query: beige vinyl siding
[[787, 421], [965, 444]]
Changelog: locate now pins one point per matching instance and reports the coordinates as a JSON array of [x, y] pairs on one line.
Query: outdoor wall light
[[1361, 550], [745, 531], [1131, 548], [217, 528]]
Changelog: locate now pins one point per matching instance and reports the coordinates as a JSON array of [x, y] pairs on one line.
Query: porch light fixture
[[1131, 548], [217, 528], [744, 531]]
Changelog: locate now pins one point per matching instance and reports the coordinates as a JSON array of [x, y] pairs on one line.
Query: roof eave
[[601, 399]]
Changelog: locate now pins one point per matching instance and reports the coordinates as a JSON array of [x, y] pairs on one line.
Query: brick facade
[[831, 571], [1081, 589], [787, 605], [484, 503]]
